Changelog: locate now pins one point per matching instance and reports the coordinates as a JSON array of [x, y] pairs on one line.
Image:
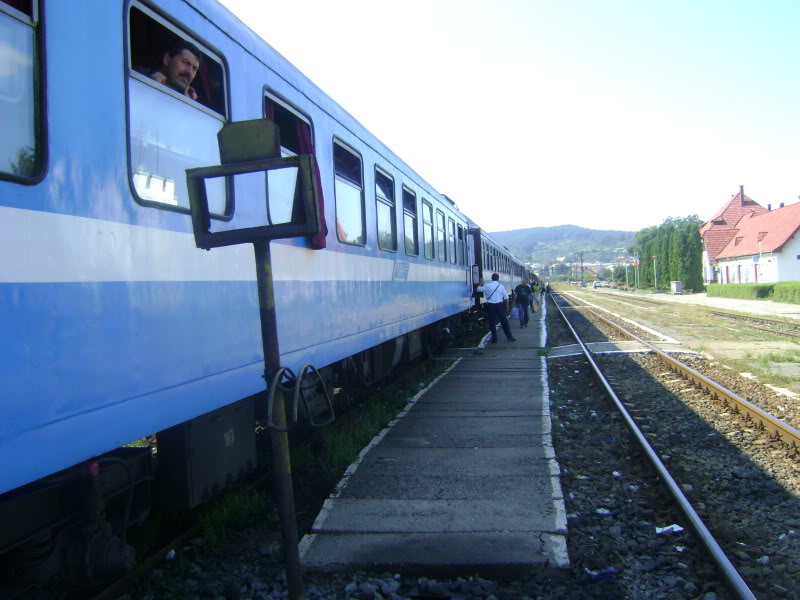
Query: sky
[[607, 114]]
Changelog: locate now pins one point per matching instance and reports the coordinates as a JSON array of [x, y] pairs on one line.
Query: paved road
[[756, 307]]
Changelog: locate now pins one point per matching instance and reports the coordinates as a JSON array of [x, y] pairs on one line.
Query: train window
[[177, 102], [20, 154], [295, 134], [427, 229], [410, 222], [462, 245], [384, 204], [451, 239], [441, 236], [349, 195]]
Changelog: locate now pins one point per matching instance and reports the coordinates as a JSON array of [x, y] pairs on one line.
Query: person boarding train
[[496, 300]]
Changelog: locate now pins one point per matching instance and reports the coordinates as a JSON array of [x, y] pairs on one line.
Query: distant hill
[[546, 244]]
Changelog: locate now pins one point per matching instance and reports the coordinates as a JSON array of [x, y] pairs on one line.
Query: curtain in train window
[[384, 205], [171, 128], [349, 190], [296, 138], [19, 150], [410, 222]]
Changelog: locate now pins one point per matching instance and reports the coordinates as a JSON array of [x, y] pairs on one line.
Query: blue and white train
[[115, 326]]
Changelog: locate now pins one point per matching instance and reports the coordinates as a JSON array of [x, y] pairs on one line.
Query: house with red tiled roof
[[764, 248], [718, 231]]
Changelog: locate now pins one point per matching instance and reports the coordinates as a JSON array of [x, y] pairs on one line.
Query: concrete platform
[[464, 480]]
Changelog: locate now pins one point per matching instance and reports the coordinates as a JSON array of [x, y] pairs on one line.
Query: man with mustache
[[179, 67]]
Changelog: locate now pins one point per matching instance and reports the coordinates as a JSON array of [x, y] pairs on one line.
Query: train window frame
[[293, 111], [427, 230], [451, 239], [341, 183], [200, 116], [35, 156], [410, 221], [287, 118], [462, 244], [441, 235], [381, 204]]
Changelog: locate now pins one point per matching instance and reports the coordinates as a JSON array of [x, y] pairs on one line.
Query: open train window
[[20, 149], [349, 187], [177, 104], [385, 210], [410, 222], [296, 138], [427, 229]]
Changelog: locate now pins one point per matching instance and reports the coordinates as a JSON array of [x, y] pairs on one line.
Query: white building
[[765, 248], [720, 229]]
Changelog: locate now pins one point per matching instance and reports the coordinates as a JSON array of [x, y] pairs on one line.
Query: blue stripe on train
[[124, 359]]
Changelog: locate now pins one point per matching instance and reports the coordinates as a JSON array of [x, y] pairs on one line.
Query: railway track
[[776, 326], [729, 572], [784, 328], [766, 429], [775, 426]]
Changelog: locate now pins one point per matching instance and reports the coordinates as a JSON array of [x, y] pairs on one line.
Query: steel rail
[[792, 329], [790, 324], [776, 427], [735, 582]]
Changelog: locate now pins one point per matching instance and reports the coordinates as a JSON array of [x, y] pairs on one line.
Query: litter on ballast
[[600, 575], [170, 554], [669, 529]]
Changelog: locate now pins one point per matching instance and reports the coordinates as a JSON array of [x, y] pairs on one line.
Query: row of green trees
[[678, 252]]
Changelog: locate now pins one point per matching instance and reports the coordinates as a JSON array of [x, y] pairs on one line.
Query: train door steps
[[464, 480]]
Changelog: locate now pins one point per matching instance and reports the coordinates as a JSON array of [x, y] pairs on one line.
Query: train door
[[464, 255], [475, 261]]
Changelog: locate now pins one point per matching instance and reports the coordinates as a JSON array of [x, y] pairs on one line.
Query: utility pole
[[655, 274], [581, 255]]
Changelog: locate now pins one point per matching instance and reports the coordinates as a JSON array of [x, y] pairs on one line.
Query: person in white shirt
[[496, 300]]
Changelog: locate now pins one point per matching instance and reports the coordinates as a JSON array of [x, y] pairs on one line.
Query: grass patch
[[763, 373], [244, 508], [787, 356], [328, 452]]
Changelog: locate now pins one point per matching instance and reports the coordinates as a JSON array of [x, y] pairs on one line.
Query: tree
[[677, 249]]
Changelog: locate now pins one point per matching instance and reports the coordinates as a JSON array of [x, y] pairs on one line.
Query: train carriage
[[115, 325]]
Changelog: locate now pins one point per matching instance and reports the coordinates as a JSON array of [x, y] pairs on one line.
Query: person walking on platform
[[522, 297], [496, 299], [536, 290]]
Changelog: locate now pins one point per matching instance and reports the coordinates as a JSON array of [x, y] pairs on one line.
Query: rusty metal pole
[[281, 462]]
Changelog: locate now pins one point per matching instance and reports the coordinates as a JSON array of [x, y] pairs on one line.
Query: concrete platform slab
[[411, 515], [466, 480], [506, 553]]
